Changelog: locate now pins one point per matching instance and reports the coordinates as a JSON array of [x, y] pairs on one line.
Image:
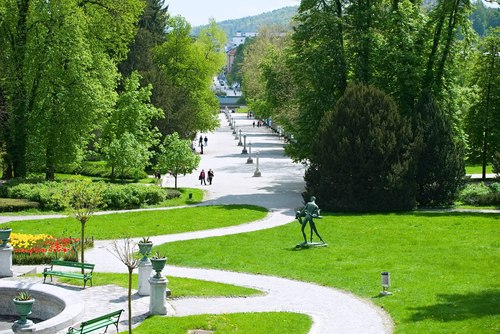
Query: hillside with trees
[[282, 17]]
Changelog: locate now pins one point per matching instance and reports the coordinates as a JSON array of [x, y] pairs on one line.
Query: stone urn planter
[[5, 235], [158, 263], [145, 246], [24, 303]]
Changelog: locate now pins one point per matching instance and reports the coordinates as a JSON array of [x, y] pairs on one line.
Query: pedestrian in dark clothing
[[253, 124], [210, 176], [206, 141], [202, 178], [201, 149], [201, 141]]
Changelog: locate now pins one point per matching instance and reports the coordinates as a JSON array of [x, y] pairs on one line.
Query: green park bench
[[86, 276], [97, 323]]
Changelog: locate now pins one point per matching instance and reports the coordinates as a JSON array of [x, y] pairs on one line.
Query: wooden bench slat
[[87, 276], [93, 324]]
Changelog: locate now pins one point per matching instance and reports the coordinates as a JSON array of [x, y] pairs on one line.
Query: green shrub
[[481, 194], [100, 169], [51, 195], [132, 196]]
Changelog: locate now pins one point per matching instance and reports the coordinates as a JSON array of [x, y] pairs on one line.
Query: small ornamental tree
[[362, 160], [84, 199], [124, 252], [177, 156], [440, 164]]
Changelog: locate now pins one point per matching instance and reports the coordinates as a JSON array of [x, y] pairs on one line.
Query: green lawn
[[242, 323], [477, 169], [444, 267], [179, 286], [145, 223]]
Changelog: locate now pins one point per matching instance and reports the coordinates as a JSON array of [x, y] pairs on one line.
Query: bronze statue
[[310, 211]]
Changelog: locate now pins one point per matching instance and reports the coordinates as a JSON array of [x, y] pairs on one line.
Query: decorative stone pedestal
[[28, 326], [157, 300], [145, 270], [6, 261]]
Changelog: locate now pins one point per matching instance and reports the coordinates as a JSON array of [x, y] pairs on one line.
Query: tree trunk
[[82, 243], [130, 299]]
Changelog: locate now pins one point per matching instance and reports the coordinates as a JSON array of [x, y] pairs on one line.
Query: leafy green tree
[[177, 157], [125, 152], [187, 67], [483, 119], [319, 63], [440, 161], [59, 75], [363, 158], [129, 134], [269, 38]]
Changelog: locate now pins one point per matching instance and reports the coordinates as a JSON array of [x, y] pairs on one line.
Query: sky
[[198, 12]]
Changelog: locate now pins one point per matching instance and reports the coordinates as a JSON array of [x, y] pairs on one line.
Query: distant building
[[230, 59], [238, 39]]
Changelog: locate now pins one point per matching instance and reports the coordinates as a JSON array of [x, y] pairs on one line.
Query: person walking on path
[[202, 177], [206, 141], [210, 176], [200, 142]]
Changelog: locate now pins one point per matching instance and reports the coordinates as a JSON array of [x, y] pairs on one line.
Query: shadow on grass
[[456, 307]]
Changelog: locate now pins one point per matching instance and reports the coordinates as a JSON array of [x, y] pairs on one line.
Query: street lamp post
[[235, 132], [240, 143], [234, 127], [244, 151]]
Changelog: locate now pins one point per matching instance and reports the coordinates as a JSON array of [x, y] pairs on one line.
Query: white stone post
[[157, 300], [145, 269], [6, 261]]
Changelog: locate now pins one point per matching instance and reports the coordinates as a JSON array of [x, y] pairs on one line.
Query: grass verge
[[242, 323], [444, 266], [179, 286], [145, 223]]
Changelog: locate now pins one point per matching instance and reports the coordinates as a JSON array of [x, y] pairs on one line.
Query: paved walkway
[[278, 189]]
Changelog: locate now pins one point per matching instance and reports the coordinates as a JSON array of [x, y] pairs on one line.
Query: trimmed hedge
[[481, 194], [100, 169], [13, 205], [50, 195]]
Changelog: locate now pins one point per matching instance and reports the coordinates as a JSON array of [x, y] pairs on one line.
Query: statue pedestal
[[145, 270], [157, 300], [6, 261]]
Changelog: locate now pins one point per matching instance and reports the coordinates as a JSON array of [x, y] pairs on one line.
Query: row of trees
[[103, 76], [381, 97]]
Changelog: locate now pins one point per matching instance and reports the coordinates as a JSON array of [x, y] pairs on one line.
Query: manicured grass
[[145, 223], [180, 287], [444, 266], [243, 323], [477, 169]]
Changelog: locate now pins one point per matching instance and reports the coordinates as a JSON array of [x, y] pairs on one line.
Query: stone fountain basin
[[55, 308]]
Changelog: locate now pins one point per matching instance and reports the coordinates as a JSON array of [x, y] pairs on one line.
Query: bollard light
[[250, 160], [244, 151], [386, 283], [257, 172]]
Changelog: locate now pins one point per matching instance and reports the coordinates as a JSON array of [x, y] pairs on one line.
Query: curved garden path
[[278, 189]]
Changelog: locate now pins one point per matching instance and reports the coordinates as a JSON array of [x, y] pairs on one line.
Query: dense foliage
[[421, 61], [363, 158]]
